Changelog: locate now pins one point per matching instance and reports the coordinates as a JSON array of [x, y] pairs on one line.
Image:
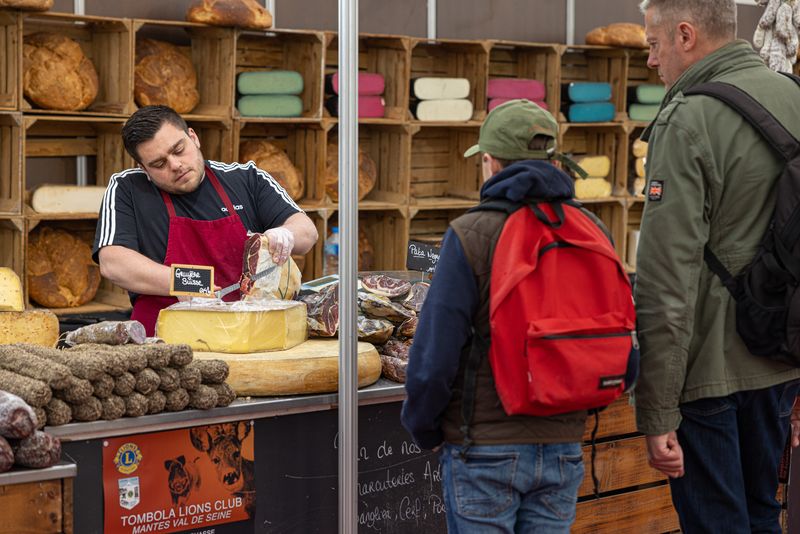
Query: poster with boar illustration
[[180, 480]]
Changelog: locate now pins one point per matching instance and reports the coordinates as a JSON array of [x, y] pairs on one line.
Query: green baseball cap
[[509, 128]]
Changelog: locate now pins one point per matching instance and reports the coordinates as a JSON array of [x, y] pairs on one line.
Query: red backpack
[[561, 311]]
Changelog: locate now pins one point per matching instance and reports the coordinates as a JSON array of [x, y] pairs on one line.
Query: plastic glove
[[281, 243]]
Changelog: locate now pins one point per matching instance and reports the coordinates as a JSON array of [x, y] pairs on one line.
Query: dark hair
[[539, 142], [143, 125]]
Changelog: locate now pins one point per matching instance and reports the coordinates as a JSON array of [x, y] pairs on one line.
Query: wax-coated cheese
[[10, 291], [234, 327], [38, 327], [639, 148], [640, 167], [638, 187], [67, 199], [592, 188], [595, 166]]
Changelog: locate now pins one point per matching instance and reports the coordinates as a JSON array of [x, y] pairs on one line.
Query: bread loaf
[[164, 76], [367, 173], [625, 34], [243, 13], [57, 74], [61, 272], [28, 5], [272, 159]]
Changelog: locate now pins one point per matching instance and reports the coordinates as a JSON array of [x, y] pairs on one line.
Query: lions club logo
[[128, 458]]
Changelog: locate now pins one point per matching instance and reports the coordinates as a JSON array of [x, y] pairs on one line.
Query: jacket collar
[[529, 179]]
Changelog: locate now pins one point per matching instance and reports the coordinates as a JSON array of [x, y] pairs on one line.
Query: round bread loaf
[[56, 73], [164, 76], [242, 13], [61, 272], [275, 161], [624, 34], [28, 5], [367, 173]]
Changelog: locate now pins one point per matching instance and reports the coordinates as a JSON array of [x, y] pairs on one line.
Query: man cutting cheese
[[176, 207]]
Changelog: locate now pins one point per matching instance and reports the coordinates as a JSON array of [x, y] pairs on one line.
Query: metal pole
[[270, 5], [348, 265], [431, 19], [570, 22], [81, 162]]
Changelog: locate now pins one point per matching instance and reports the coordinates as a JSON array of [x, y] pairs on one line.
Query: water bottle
[[331, 252]]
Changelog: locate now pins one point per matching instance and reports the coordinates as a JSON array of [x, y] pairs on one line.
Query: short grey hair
[[716, 17]]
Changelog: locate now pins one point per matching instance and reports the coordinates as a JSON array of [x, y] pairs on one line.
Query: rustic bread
[[61, 272], [57, 74], [164, 76], [275, 161], [367, 173], [625, 34], [242, 13], [28, 5]]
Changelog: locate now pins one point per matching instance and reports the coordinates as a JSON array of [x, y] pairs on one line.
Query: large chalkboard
[[399, 488]]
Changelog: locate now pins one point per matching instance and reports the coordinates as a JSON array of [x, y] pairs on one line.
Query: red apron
[[219, 243]]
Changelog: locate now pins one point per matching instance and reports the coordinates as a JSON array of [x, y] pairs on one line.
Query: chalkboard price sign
[[192, 280], [422, 257]]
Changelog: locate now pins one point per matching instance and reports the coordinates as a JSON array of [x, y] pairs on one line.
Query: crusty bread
[[242, 13], [367, 173], [28, 5], [272, 159], [165, 76], [624, 34], [61, 272], [57, 75]]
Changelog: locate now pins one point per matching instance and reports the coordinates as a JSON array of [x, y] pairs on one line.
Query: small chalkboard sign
[[422, 256], [192, 280]]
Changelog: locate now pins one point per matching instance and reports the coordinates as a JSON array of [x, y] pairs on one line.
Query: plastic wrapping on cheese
[[640, 167], [10, 291], [38, 327], [639, 148], [592, 188], [595, 166], [234, 327]]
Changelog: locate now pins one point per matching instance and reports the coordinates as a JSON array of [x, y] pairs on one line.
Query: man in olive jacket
[[716, 417]]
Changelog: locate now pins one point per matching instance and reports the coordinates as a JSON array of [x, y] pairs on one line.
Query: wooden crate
[[11, 160], [633, 222], [216, 138], [12, 246], [109, 297], [429, 225], [382, 54], [512, 59], [619, 464], [212, 50], [107, 43], [311, 267], [439, 171], [387, 232], [600, 140], [303, 142], [646, 510], [587, 63], [38, 507], [639, 73], [455, 59], [612, 213], [300, 51], [10, 59]]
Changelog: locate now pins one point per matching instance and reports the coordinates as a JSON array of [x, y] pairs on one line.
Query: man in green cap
[[515, 473]]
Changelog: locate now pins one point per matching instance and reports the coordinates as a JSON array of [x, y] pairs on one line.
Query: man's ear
[[687, 36], [193, 137]]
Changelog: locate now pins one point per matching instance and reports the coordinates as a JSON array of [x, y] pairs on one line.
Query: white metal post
[[431, 19], [81, 162], [348, 265], [270, 5], [570, 22]]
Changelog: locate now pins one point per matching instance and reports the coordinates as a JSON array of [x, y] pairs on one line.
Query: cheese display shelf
[[10, 58], [532, 61], [11, 162]]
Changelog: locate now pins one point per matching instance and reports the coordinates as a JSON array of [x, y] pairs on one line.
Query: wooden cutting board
[[311, 367]]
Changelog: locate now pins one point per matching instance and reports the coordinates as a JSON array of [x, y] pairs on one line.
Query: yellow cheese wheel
[[10, 291], [638, 187], [592, 188], [38, 327], [311, 367], [640, 167], [595, 166], [234, 327], [639, 148]]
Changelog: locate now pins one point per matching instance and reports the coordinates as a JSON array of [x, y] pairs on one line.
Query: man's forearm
[[133, 271], [304, 232]]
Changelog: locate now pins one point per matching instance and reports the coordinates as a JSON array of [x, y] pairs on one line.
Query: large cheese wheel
[[639, 148], [38, 327], [595, 166], [10, 291], [312, 367], [592, 188], [67, 199], [640, 172]]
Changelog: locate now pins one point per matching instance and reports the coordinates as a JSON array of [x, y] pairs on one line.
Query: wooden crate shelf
[[632, 224], [613, 215], [429, 225], [304, 143], [587, 63], [216, 138], [312, 261], [380, 54], [645, 510], [211, 50], [439, 170], [11, 162], [107, 43], [386, 231], [610, 140], [10, 60], [42, 507], [13, 243], [511, 59], [454, 59], [619, 464], [300, 51]]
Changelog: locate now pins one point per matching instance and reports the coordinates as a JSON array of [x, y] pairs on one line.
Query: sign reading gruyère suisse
[[192, 280]]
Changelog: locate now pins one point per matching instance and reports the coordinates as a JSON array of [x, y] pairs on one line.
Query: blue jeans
[[511, 488], [731, 449]]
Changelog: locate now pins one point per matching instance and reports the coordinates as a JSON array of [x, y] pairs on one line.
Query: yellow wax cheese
[[639, 148], [592, 188], [10, 291], [595, 166], [234, 327], [38, 327], [638, 187], [640, 167]]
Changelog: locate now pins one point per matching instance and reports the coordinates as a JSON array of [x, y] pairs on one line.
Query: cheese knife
[[233, 287]]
